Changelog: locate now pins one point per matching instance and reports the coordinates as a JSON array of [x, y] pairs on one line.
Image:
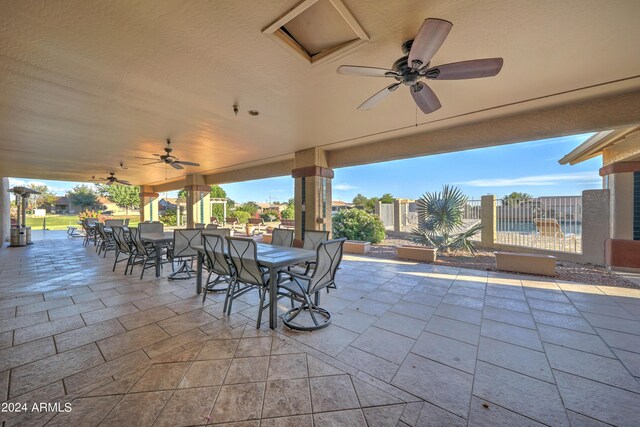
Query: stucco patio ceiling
[[86, 84]]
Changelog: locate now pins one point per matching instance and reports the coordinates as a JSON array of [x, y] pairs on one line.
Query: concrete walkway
[[410, 344]]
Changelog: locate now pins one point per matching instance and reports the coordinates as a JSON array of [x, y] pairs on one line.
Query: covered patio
[[410, 344], [91, 88]]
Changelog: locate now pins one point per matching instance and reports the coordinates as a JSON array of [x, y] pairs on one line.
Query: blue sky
[[530, 167]]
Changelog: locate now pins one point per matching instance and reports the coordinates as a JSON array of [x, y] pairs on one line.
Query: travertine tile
[[155, 301], [442, 385], [331, 340], [121, 344], [293, 421], [92, 296], [165, 376], [530, 397], [400, 324], [574, 339], [238, 402], [162, 347], [506, 303], [592, 366], [23, 321], [459, 313], [620, 340], [445, 350], [47, 329], [352, 320], [7, 312], [42, 306], [562, 321], [455, 329], [597, 400], [369, 363], [512, 334], [352, 418], [556, 307], [516, 318], [286, 397], [146, 317], [218, 349], [144, 408], [333, 393], [188, 407], [86, 411], [248, 347], [184, 322], [54, 368], [384, 344], [287, 366], [131, 362], [87, 334], [247, 369], [72, 310], [103, 314], [25, 353], [485, 413], [123, 298], [318, 368], [205, 373], [368, 395], [516, 358]]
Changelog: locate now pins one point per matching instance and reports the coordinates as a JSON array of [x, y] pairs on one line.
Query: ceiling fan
[[168, 158], [414, 66], [111, 179]]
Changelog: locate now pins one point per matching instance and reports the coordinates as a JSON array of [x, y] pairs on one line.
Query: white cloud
[[343, 187], [537, 180]]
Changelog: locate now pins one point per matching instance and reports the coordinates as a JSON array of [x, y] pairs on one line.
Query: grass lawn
[[60, 222]]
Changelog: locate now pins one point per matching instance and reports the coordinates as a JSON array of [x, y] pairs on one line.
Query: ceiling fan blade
[[152, 163], [143, 158], [473, 69], [176, 165], [371, 102], [109, 183], [182, 162], [430, 37], [355, 70], [425, 98]]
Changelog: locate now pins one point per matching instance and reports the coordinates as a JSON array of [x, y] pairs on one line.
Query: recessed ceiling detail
[[317, 31]]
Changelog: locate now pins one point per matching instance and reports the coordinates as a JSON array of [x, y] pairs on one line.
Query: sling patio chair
[[143, 255], [105, 240], [182, 251], [217, 263], [243, 254], [124, 246], [282, 237], [301, 287], [151, 227]]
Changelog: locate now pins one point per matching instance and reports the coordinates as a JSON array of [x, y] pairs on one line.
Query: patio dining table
[[158, 240], [272, 257]]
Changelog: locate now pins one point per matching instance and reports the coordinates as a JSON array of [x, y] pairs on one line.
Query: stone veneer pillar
[[148, 204], [312, 192]]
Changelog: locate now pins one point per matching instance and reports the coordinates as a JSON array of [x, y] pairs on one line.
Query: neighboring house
[[168, 203], [263, 207], [338, 205], [63, 206]]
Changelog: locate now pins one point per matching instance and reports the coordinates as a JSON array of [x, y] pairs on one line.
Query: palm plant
[[441, 221]]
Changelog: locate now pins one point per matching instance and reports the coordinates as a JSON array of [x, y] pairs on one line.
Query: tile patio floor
[[410, 344]]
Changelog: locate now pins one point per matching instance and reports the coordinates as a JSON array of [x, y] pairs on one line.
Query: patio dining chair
[[151, 227], [312, 239], [199, 225], [282, 237], [211, 227], [217, 263], [143, 255], [243, 254], [123, 246], [105, 240], [183, 252], [112, 222], [88, 226], [301, 287]]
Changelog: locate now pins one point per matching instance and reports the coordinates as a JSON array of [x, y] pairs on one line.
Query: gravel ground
[[485, 260]]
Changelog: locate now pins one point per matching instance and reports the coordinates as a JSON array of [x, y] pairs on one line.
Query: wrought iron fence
[[551, 223]]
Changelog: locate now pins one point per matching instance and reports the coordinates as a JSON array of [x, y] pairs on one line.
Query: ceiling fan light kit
[[414, 66], [168, 158]]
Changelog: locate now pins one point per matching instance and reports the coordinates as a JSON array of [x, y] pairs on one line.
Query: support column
[[488, 217], [312, 191], [623, 248], [148, 204], [198, 201], [5, 211]]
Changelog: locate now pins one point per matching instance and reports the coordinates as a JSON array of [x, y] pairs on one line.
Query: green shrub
[[169, 217], [288, 213], [355, 224], [242, 216]]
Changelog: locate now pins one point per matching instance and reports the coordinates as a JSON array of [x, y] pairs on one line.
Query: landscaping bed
[[485, 260]]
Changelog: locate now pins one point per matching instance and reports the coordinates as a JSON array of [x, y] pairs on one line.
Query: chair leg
[[115, 261], [232, 284], [263, 293]]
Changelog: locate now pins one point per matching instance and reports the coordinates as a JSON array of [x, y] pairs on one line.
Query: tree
[[442, 216], [250, 207], [125, 196], [218, 192], [288, 213], [515, 197], [360, 200], [102, 190], [45, 198], [387, 198], [82, 195], [370, 206]]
